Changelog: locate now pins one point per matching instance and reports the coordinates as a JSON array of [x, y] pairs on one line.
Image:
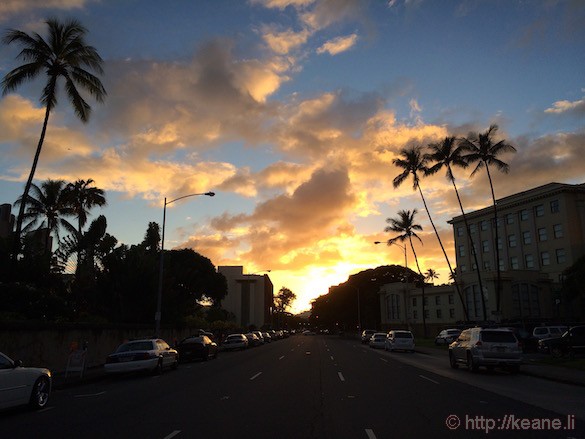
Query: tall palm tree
[[49, 205], [447, 154], [405, 225], [83, 197], [413, 161], [431, 275], [63, 55], [483, 150]]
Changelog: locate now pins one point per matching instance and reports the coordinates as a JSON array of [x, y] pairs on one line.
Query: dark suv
[[570, 343]]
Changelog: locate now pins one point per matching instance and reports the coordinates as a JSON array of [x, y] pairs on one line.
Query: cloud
[[327, 12], [576, 108], [338, 45], [11, 7], [283, 42]]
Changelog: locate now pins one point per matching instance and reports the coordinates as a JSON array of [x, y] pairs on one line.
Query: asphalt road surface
[[309, 387]]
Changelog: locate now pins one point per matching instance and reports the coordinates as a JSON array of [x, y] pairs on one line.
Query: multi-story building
[[541, 233], [249, 296]]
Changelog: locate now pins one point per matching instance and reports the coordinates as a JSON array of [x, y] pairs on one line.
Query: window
[[393, 307], [426, 301], [512, 240], [524, 215], [525, 301], [529, 261], [427, 314], [561, 256], [558, 231], [527, 237], [545, 258], [554, 206], [485, 246], [461, 250], [514, 263], [463, 268], [439, 314], [509, 219], [459, 231], [452, 313], [415, 314], [484, 225], [502, 267], [472, 228], [473, 301], [539, 210], [499, 243], [437, 300], [451, 299], [414, 301], [542, 234], [487, 265]]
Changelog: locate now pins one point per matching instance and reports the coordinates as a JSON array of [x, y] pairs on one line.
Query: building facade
[[249, 296], [541, 233]]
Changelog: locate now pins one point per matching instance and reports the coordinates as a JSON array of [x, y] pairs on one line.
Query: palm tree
[[64, 55], [484, 151], [449, 153], [48, 204], [431, 275], [405, 225], [83, 197], [412, 162]]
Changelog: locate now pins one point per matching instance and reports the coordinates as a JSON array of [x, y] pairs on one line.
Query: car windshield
[[498, 337], [402, 335], [135, 346]]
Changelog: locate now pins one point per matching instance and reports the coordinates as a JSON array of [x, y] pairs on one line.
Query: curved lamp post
[[403, 247], [162, 258]]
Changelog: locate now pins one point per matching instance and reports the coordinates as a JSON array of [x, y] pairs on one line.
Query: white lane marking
[[384, 360], [256, 376], [292, 350], [280, 358], [340, 376], [428, 379], [89, 395], [370, 433], [46, 409], [331, 357], [173, 434]]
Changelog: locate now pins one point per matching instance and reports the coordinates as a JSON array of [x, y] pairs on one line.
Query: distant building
[[7, 220], [541, 233], [249, 296]]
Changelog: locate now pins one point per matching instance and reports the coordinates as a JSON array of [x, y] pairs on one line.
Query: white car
[[150, 355], [235, 341], [447, 336], [378, 340], [23, 385], [398, 340]]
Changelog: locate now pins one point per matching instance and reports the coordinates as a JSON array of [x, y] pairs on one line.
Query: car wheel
[[453, 361], [556, 352], [176, 363], [40, 393], [471, 365]]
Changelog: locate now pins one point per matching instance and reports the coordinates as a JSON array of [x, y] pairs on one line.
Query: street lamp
[[403, 247], [161, 266]]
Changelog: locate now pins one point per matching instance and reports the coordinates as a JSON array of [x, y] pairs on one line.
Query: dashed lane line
[[428, 379], [173, 434], [256, 376], [370, 433], [340, 375]]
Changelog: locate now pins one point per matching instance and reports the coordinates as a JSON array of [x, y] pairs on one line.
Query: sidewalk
[[531, 367]]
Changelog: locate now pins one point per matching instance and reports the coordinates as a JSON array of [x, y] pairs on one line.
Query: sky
[[292, 111]]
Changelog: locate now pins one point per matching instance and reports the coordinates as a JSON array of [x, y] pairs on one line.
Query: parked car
[[260, 336], [399, 340], [253, 339], [267, 337], [447, 336], [199, 347], [367, 334], [146, 355], [235, 341], [378, 340], [23, 385], [541, 332], [491, 348], [526, 339], [570, 343]]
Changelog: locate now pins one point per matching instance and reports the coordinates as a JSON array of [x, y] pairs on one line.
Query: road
[[308, 387]]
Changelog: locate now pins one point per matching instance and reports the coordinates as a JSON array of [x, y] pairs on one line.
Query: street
[[309, 387]]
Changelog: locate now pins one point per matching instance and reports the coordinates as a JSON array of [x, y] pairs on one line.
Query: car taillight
[[478, 343]]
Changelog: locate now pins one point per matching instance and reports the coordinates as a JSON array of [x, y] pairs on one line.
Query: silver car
[[23, 385], [491, 348]]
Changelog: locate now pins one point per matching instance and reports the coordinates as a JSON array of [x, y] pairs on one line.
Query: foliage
[[284, 299]]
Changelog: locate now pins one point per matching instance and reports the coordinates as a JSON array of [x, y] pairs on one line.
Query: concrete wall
[[49, 346]]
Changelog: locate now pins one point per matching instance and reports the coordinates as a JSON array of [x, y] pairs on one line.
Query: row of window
[[529, 261], [393, 307], [438, 314], [450, 298], [510, 218], [526, 238]]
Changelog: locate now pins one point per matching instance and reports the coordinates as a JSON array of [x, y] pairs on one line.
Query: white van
[[541, 332]]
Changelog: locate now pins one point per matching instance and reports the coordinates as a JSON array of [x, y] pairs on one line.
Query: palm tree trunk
[[444, 253], [20, 218], [499, 272], [422, 289], [467, 229]]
